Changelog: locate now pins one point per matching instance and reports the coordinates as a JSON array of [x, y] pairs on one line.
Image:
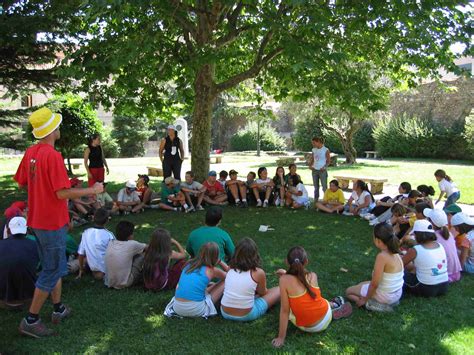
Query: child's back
[[94, 242]]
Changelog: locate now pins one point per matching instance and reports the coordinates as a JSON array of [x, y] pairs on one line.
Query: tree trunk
[[69, 167], [204, 97], [348, 148]]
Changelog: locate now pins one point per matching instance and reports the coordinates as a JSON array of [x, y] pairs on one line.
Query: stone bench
[[73, 165], [216, 157], [376, 184], [152, 171], [371, 154]]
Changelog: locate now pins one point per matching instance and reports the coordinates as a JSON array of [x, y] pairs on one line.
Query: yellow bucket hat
[[44, 122]]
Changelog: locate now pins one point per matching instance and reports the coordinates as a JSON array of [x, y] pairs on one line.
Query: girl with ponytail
[[386, 287], [447, 187], [301, 299]]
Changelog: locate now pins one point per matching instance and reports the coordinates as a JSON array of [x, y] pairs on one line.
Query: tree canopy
[[166, 57]]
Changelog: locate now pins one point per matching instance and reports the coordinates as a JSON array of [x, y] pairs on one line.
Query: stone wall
[[430, 101]]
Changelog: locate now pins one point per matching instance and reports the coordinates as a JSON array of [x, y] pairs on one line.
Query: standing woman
[[94, 160], [171, 154]]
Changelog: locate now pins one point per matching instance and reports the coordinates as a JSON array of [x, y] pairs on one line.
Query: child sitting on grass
[[386, 287], [127, 199], [195, 295], [400, 220], [279, 182], [464, 226], [172, 199], [123, 258], [236, 190], [447, 187], [144, 191], [439, 221], [246, 296], [301, 299], [263, 188], [361, 201], [297, 197], [215, 193], [426, 193], [251, 176], [333, 200], [193, 191], [426, 272], [94, 243], [162, 265]]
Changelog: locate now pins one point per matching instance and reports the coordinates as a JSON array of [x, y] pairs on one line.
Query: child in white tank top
[[385, 289], [245, 279]]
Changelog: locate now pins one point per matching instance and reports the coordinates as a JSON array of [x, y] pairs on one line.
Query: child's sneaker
[[346, 213], [338, 301], [374, 222], [343, 311], [189, 210], [265, 204], [199, 208], [369, 217], [35, 330], [373, 305], [259, 203], [244, 204], [282, 203], [57, 317]]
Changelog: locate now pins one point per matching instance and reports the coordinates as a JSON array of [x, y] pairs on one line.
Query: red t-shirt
[[42, 170], [217, 187]]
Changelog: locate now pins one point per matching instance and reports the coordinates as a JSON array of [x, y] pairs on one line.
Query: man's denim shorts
[[52, 253]]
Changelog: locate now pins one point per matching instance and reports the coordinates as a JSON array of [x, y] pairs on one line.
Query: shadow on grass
[[132, 321], [357, 166]]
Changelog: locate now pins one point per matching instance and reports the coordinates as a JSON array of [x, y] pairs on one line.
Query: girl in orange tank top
[[301, 299]]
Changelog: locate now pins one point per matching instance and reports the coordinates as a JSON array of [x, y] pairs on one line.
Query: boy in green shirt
[[211, 233], [172, 198]]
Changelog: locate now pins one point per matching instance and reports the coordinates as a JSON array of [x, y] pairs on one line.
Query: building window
[[27, 101], [466, 67]]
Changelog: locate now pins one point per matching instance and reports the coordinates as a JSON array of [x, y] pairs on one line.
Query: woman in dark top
[[171, 154], [94, 160]]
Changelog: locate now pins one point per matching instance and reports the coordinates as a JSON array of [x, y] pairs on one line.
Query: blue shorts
[[468, 267], [52, 253], [260, 307]]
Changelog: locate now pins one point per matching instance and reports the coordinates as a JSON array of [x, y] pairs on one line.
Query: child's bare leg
[[268, 192], [166, 207], [98, 275], [234, 191], [353, 293], [217, 291], [256, 193], [221, 198], [138, 207], [209, 200], [243, 191], [322, 207], [272, 297], [187, 196], [200, 196]]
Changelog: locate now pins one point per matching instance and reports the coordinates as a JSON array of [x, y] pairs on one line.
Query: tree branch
[[251, 72], [182, 20]]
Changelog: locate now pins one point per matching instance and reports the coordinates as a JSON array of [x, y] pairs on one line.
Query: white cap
[[437, 217], [172, 126], [423, 225], [17, 225], [461, 218], [131, 184]]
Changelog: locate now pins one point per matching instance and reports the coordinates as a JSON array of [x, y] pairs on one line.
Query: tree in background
[[130, 53], [131, 134], [29, 56], [79, 122]]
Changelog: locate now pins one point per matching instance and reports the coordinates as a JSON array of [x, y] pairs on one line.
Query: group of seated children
[[430, 262]]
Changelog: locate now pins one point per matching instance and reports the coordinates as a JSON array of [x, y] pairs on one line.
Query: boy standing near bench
[[319, 163]]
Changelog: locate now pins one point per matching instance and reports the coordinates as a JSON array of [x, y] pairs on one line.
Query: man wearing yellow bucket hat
[[43, 174]]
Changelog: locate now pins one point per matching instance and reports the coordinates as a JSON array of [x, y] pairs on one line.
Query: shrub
[[411, 137], [109, 144], [131, 134], [469, 134], [246, 139]]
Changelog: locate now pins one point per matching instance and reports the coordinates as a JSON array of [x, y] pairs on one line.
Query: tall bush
[[131, 134], [246, 139], [411, 137], [469, 135]]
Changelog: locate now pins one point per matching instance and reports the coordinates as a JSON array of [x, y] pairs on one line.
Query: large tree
[[155, 55]]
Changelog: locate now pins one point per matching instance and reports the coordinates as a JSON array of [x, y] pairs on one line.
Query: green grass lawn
[[131, 321]]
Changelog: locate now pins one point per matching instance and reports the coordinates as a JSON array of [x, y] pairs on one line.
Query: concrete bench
[[376, 184], [152, 171], [371, 154], [216, 157], [285, 160], [73, 165]]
